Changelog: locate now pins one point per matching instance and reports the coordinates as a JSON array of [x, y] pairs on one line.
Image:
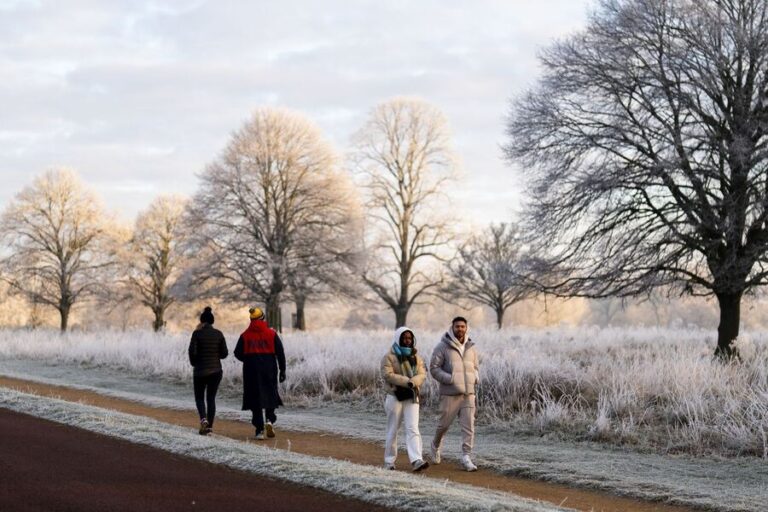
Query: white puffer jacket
[[457, 374]]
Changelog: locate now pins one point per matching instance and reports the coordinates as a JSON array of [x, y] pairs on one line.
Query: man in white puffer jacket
[[455, 366]]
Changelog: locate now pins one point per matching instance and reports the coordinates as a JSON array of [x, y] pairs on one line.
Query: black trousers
[[258, 418], [205, 389]]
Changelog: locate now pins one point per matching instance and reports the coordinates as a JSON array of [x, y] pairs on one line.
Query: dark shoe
[[419, 465], [204, 428]]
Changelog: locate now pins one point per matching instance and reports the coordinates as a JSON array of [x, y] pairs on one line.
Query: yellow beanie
[[256, 314]]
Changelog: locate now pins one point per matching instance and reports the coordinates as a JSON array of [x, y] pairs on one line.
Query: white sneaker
[[466, 462], [270, 429], [434, 454], [259, 436]]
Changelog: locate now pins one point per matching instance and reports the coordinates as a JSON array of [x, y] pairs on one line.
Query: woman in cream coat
[[403, 372]]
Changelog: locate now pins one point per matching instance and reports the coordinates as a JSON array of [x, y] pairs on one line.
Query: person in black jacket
[[261, 351], [206, 350]]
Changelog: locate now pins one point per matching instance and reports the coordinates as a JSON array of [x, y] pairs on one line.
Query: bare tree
[[276, 185], [317, 277], [604, 311], [154, 255], [487, 270], [57, 244], [324, 261], [404, 151], [646, 153]]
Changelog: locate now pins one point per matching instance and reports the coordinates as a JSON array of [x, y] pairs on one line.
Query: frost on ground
[[654, 390], [733, 484], [392, 489]]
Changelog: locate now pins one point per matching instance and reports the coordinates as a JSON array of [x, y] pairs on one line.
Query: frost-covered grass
[[397, 490], [655, 389]]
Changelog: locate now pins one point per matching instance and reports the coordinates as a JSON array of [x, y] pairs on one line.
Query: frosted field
[[713, 483], [653, 389]]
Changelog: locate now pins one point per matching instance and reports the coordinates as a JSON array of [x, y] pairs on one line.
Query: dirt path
[[361, 452], [50, 466]]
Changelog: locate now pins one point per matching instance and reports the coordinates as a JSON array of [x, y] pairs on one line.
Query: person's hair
[[206, 316], [459, 319]]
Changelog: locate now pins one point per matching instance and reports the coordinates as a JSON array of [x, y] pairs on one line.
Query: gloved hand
[[282, 377]]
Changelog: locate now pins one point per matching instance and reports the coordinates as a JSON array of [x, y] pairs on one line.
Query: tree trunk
[[728, 330], [499, 317], [301, 323], [159, 322], [35, 320], [64, 313], [401, 315], [274, 318]]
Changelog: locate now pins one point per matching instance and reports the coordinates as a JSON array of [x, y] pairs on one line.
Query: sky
[[138, 96]]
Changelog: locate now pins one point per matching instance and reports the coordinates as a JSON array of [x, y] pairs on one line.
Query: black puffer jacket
[[206, 350]]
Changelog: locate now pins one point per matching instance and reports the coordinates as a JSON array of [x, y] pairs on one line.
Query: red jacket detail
[[258, 338]]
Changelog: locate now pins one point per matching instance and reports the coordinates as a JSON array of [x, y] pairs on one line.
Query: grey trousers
[[450, 407]]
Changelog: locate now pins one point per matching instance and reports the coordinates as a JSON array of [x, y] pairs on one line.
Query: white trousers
[[398, 411]]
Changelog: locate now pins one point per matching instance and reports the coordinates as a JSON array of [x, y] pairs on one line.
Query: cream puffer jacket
[[392, 373], [457, 374]]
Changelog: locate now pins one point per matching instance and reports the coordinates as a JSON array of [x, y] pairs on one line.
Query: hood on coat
[[399, 332], [258, 327], [450, 339]]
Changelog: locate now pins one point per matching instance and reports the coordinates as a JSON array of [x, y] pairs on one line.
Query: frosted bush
[[551, 412], [655, 388], [745, 347]]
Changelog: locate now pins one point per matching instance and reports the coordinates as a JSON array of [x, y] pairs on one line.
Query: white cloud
[[149, 91]]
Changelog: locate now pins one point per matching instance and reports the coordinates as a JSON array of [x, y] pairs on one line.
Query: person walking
[[207, 348], [261, 351], [455, 366], [403, 372]]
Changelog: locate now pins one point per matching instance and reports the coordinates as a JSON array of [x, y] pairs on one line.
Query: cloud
[[148, 92]]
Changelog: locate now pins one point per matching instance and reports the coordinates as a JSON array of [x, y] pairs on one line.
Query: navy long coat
[[261, 351]]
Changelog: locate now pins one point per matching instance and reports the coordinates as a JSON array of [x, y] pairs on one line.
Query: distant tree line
[[278, 217], [644, 148]]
